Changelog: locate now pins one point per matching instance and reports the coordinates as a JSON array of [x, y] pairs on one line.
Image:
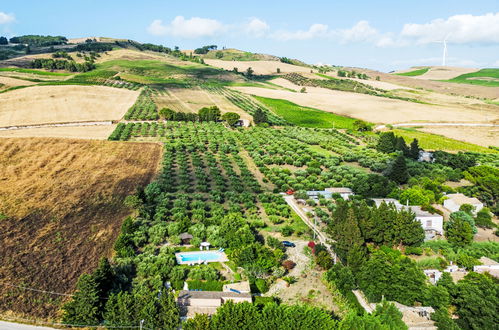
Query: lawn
[[489, 77], [414, 73], [305, 116], [438, 142]]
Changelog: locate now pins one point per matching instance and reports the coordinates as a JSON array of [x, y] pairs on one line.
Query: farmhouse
[[488, 265], [454, 202], [431, 223], [185, 238], [434, 274], [345, 193], [207, 302]]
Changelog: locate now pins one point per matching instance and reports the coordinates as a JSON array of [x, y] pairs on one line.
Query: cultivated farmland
[[61, 210], [62, 104], [259, 67]]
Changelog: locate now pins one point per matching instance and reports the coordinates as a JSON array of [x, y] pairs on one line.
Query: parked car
[[288, 244]]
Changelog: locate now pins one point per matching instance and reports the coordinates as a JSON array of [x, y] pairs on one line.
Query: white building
[[488, 265], [345, 193], [454, 202], [431, 223], [426, 156]]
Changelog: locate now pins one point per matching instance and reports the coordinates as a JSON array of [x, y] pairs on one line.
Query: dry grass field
[[61, 202], [98, 132], [63, 104], [8, 82], [259, 67], [375, 109], [482, 136], [445, 72]]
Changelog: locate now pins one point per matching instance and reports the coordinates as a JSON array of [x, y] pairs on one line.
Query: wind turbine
[[444, 55]]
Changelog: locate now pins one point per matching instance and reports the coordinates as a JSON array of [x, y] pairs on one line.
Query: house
[[454, 202], [207, 302], [327, 193], [243, 123], [426, 156], [434, 274], [431, 223], [345, 193], [185, 238], [488, 265]]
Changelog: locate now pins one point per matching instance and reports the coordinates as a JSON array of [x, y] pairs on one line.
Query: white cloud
[[314, 31], [195, 27], [460, 29], [362, 31], [496, 63], [6, 18], [256, 28]]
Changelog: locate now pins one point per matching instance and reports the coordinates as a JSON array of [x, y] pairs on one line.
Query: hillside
[[61, 209]]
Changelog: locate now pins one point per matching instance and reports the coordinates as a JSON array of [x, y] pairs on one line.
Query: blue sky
[[385, 35]]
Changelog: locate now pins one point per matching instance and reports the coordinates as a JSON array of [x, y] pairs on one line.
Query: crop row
[[144, 108], [122, 84]]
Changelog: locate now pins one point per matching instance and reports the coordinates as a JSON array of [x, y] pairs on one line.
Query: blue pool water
[[203, 256]]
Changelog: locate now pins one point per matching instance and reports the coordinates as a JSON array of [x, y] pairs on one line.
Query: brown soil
[[100, 132], [61, 202]]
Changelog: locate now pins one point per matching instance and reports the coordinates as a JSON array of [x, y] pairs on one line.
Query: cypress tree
[[386, 143], [414, 150], [84, 307], [398, 170]]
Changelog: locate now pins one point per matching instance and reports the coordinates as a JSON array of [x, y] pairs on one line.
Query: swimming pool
[[198, 257]]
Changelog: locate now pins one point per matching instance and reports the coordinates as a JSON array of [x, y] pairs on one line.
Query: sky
[[379, 34]]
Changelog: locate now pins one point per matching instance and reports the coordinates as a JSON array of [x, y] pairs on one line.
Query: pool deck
[[178, 256]]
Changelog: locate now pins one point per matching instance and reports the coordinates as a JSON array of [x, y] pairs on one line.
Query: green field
[[491, 74], [305, 116], [414, 73], [438, 142]]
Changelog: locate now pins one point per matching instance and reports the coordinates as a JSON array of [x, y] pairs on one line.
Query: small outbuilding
[[185, 238], [454, 202], [488, 266]]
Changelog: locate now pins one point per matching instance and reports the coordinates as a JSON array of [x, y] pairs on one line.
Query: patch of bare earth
[[98, 132], [61, 202], [483, 136]]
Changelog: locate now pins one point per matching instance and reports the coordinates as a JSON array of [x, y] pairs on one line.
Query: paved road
[[19, 326]]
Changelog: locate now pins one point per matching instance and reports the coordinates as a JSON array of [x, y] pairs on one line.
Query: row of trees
[[39, 41], [56, 64], [389, 143], [205, 114], [205, 49]]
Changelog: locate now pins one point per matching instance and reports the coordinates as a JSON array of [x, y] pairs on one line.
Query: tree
[[167, 113], [414, 150], [4, 41], [362, 126], [484, 219], [477, 301], [389, 315], [398, 170], [401, 146], [459, 230], [259, 116], [168, 315], [231, 118], [84, 308], [249, 72], [391, 274], [386, 143], [209, 114], [120, 310], [219, 54]]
